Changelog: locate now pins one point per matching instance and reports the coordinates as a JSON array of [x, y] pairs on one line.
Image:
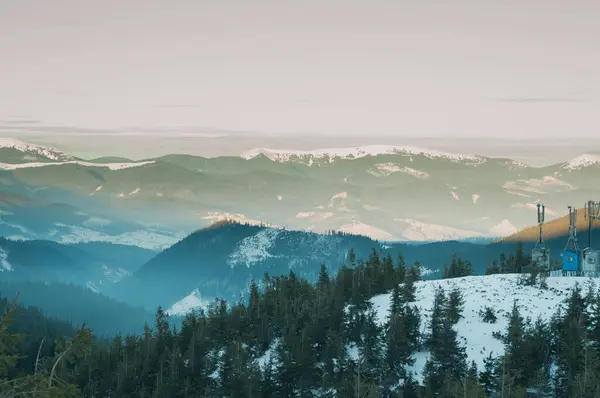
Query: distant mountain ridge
[[391, 193]]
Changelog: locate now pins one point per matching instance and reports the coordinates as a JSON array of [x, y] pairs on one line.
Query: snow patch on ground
[[455, 195], [115, 275], [188, 304], [424, 232], [4, 264], [341, 195], [474, 197], [495, 291], [279, 198], [99, 188], [538, 186], [255, 248], [369, 207], [90, 285], [134, 191], [386, 169], [264, 359]]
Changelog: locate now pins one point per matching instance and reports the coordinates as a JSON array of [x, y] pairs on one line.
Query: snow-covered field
[[495, 291]]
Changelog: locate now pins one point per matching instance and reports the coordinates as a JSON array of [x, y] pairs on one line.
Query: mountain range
[[384, 192], [221, 261]]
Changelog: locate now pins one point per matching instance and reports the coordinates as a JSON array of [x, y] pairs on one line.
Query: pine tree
[[370, 347], [456, 304], [399, 347], [400, 270], [515, 358], [570, 332], [389, 273], [489, 377]]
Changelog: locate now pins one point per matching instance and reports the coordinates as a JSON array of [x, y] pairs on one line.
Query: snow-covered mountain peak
[[36, 150], [422, 232], [284, 155], [582, 161]]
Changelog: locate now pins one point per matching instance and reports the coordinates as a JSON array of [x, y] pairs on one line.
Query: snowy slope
[[4, 264], [582, 161], [188, 304], [254, 248], [495, 291], [36, 150], [110, 166], [284, 155]]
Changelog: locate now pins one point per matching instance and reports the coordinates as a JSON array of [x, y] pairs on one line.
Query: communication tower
[[591, 258], [571, 257], [541, 254]]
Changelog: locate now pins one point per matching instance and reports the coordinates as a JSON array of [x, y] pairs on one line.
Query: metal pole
[[590, 219]]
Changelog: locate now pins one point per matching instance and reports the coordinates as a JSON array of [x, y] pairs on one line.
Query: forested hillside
[[296, 339], [78, 305]]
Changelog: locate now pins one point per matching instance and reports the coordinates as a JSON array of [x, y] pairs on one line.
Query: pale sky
[[509, 68]]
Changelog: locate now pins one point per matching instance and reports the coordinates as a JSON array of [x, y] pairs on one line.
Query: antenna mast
[[541, 212], [572, 244], [591, 213], [540, 254]]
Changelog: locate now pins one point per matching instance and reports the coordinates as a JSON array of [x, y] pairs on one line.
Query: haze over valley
[[309, 199]]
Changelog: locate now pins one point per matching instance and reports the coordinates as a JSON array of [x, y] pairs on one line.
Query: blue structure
[[570, 261], [571, 257]]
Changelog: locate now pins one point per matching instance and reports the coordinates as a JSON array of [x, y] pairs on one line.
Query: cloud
[[178, 106], [539, 99], [19, 122]]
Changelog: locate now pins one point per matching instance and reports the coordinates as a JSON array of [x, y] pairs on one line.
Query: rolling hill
[[221, 261], [555, 229]]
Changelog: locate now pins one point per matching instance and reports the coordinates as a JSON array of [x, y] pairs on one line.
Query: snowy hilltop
[[286, 155], [495, 291]]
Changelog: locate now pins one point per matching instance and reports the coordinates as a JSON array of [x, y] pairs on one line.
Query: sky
[[399, 68]]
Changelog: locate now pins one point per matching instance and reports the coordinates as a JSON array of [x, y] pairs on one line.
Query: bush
[[488, 315]]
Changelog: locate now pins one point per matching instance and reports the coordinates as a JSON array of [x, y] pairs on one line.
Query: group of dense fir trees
[[291, 338]]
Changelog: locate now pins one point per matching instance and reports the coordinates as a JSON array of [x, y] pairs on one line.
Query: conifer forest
[[290, 338]]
